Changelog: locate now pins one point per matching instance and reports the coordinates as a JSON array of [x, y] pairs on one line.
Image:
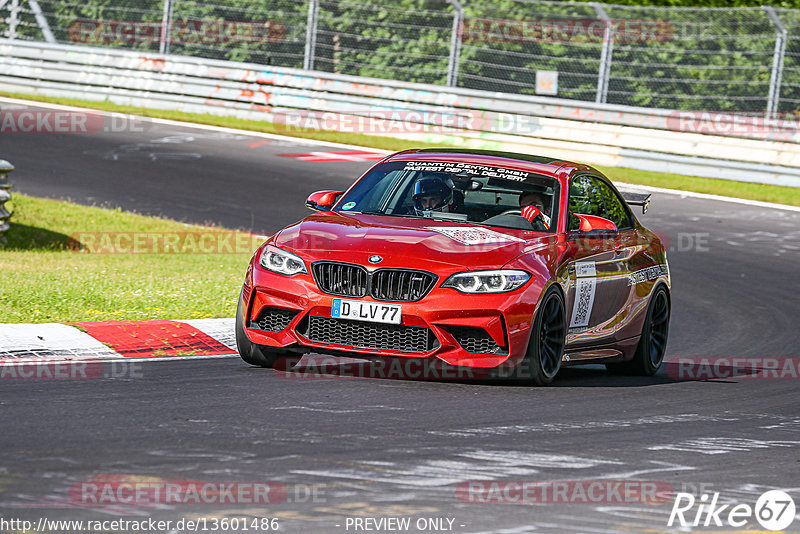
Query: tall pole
[[455, 43], [776, 73], [604, 71], [166, 25], [42, 21], [13, 19], [311, 35]]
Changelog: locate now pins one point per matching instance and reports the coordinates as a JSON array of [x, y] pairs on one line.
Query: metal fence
[[719, 59]]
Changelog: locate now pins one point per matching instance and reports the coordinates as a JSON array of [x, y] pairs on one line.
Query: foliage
[[687, 58]]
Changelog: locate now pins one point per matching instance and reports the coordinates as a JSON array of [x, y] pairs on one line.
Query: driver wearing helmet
[[432, 193]]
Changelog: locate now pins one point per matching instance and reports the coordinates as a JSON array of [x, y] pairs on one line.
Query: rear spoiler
[[637, 199]]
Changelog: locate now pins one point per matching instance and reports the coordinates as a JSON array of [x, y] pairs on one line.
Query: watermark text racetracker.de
[[476, 30], [69, 370], [31, 120], [734, 368], [192, 31], [601, 491], [390, 368], [377, 121], [122, 489], [142, 492], [218, 241], [784, 126], [188, 242], [328, 367], [145, 525]]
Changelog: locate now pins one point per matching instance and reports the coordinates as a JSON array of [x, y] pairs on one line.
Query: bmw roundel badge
[[375, 259]]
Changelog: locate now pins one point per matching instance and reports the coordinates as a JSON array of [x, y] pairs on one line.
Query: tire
[[548, 337], [652, 345], [250, 352]]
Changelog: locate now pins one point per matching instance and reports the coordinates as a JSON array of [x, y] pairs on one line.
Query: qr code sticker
[[584, 300]]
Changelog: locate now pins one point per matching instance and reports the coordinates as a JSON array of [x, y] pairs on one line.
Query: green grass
[[766, 193], [45, 275], [726, 188]]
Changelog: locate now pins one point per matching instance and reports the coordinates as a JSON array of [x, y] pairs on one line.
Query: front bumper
[[481, 331]]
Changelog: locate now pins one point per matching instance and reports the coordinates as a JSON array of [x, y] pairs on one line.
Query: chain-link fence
[[717, 59]]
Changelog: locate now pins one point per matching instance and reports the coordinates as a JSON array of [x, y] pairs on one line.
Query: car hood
[[407, 242]]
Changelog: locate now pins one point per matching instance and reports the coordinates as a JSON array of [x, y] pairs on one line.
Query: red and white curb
[[117, 340]]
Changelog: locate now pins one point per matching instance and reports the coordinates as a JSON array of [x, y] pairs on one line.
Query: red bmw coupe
[[475, 259]]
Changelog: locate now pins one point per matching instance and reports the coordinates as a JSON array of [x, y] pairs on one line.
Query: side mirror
[[591, 223], [322, 200]]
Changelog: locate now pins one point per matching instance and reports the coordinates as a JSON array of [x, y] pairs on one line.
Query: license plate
[[359, 310]]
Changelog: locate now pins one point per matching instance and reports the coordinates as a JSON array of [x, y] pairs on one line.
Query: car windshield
[[477, 194]]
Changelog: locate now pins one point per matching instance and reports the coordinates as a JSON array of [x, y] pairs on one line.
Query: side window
[[615, 208], [584, 198]]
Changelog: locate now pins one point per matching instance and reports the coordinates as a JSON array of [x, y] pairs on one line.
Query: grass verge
[[730, 188], [58, 267]]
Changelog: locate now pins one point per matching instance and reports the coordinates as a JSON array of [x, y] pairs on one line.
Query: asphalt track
[[399, 448]]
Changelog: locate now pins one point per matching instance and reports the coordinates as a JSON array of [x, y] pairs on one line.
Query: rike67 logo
[[774, 510]]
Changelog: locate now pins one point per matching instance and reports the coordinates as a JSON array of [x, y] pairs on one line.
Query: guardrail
[[638, 138]]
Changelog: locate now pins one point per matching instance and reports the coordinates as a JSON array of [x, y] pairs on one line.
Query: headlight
[[282, 262], [499, 281]]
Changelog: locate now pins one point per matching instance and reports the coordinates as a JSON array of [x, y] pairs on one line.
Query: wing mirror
[[593, 223], [322, 200]]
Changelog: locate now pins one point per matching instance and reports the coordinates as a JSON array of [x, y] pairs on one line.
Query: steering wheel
[[537, 223], [511, 212]]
